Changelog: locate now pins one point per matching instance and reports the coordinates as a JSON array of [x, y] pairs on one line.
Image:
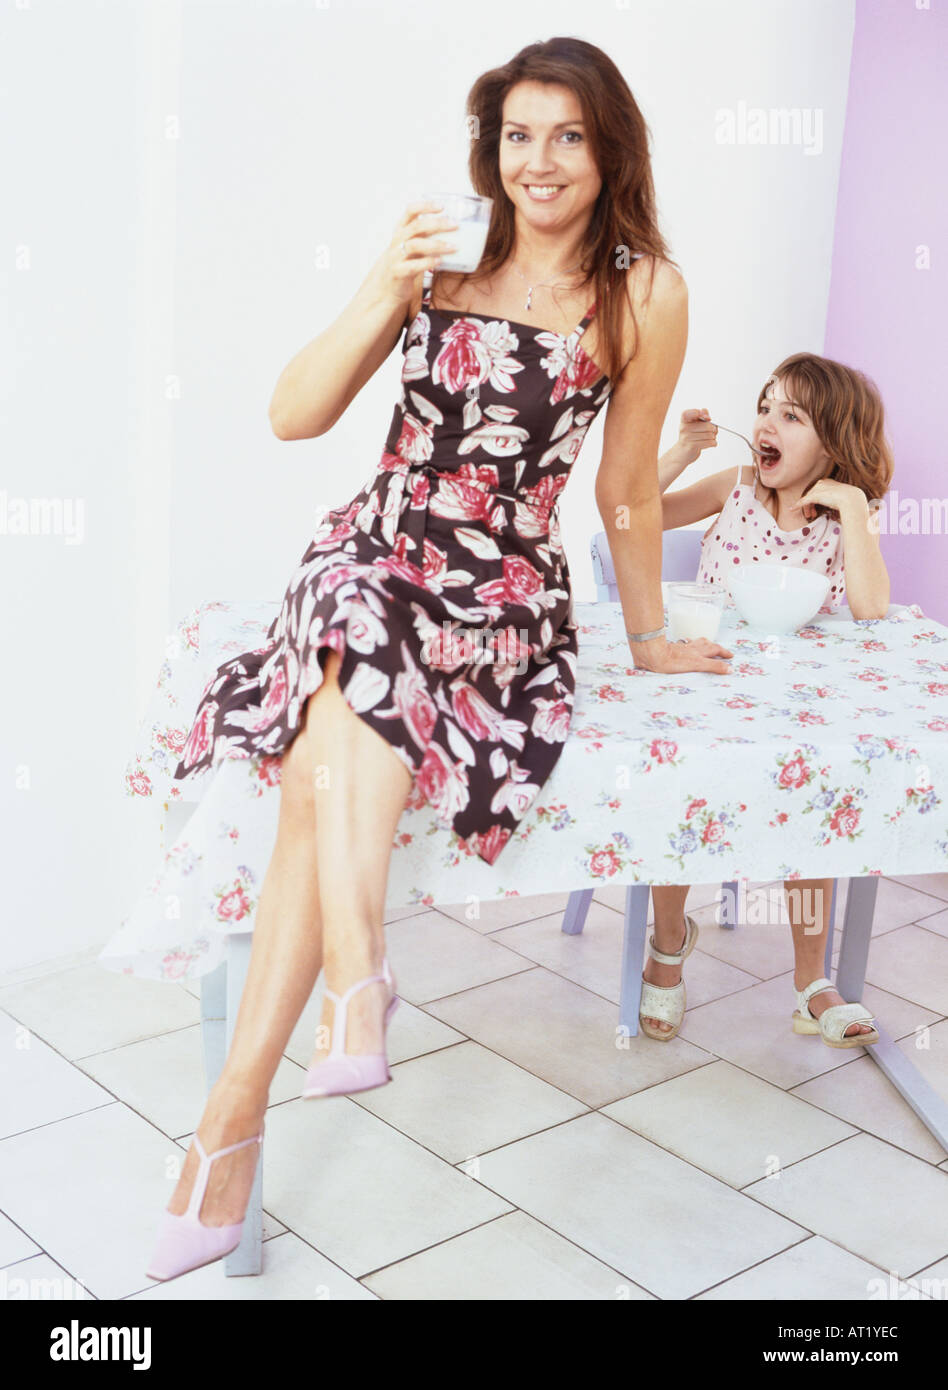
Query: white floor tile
[[38, 1086], [90, 1191], [513, 1258], [565, 1035], [884, 1205], [699, 895], [163, 1078], [464, 1100], [938, 923], [14, 1243], [934, 884], [88, 1009], [358, 1191], [814, 1269], [913, 963], [432, 956], [497, 913], [291, 1270], [411, 1033], [752, 1030], [863, 1095], [669, 1228], [41, 1278], [593, 958], [729, 1124]]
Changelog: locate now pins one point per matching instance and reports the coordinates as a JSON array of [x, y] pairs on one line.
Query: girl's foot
[[226, 1120], [825, 1000], [365, 1014], [657, 973]]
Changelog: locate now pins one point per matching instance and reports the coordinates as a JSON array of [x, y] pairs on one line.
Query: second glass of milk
[[472, 214], [694, 610]]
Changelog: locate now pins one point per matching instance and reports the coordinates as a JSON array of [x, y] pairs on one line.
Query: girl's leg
[[669, 903], [808, 903], [287, 949]]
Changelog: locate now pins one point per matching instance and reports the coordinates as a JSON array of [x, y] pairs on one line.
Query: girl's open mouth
[[769, 456]]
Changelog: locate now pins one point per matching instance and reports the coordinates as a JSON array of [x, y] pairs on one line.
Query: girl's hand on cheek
[[829, 493]]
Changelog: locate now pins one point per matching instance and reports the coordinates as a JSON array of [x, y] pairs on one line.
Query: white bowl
[[777, 598]]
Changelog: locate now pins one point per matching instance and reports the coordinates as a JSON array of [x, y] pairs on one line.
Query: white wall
[[177, 171]]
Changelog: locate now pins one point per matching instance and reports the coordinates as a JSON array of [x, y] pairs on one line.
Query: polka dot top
[[744, 531]]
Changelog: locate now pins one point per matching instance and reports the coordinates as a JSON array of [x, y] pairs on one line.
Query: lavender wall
[[887, 315]]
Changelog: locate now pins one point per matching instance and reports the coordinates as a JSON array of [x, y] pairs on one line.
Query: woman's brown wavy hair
[[623, 220], [848, 417]]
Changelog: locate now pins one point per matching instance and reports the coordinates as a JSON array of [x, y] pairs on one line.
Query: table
[[821, 754]]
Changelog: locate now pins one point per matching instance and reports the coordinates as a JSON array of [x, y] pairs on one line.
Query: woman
[[458, 524]]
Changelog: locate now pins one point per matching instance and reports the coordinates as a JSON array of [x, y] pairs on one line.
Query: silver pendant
[[529, 297]]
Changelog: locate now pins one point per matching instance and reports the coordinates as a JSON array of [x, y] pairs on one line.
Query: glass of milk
[[472, 214], [694, 610]]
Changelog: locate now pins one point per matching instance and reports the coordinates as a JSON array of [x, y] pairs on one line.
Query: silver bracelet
[[645, 636]]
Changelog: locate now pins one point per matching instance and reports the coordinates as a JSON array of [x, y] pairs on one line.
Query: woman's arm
[[325, 376], [627, 486]]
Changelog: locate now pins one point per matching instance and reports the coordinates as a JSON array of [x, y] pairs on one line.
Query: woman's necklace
[[539, 285]]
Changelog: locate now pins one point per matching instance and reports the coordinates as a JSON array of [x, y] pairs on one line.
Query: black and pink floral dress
[[443, 584]]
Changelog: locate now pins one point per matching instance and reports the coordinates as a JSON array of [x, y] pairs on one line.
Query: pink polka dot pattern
[[744, 531]]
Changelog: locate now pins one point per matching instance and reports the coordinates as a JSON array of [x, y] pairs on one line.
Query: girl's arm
[[704, 498], [866, 577]]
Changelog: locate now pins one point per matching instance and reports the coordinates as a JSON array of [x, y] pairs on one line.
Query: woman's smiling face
[[546, 165], [793, 454]]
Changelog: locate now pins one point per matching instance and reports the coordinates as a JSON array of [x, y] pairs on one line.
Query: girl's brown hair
[[847, 414], [623, 220]]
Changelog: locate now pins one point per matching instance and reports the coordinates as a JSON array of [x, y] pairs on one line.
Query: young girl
[[805, 502]]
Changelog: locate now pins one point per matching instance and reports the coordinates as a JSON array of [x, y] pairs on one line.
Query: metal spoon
[[739, 435]]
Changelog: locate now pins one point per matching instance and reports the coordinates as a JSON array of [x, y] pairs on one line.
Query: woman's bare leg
[[286, 954], [808, 904], [670, 930], [361, 789]]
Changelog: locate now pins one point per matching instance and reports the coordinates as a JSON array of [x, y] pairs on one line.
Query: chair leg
[[214, 1022], [248, 1257], [574, 918], [729, 905], [633, 956], [828, 957]]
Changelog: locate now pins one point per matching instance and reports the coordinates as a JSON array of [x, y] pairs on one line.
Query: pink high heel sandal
[[184, 1242], [342, 1073]]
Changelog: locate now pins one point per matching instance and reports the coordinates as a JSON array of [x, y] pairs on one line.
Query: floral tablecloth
[[821, 754]]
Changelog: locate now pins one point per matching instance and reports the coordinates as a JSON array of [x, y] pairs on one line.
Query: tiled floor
[[526, 1150]]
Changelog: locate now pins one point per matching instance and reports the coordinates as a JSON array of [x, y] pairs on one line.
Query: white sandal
[[832, 1022], [666, 1002]]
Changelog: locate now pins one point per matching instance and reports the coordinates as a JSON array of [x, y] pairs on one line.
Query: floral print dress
[[443, 585]]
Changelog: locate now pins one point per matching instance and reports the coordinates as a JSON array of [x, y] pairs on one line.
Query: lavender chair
[[680, 555]]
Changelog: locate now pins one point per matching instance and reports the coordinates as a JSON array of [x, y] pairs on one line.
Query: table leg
[[574, 918], [633, 954], [248, 1257], [928, 1105]]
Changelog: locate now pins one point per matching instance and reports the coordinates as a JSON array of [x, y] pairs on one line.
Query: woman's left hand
[[829, 493]]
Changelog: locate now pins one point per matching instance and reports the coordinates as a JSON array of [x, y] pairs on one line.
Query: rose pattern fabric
[[443, 585], [822, 754]]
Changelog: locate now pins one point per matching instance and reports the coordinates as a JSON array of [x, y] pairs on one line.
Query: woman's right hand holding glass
[[421, 237]]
